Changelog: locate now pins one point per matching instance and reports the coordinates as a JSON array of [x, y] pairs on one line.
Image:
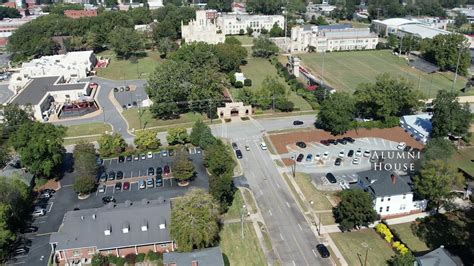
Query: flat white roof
[[422, 31], [398, 21], [420, 122]]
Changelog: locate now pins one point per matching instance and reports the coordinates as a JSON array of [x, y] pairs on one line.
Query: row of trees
[[272, 94], [86, 167]]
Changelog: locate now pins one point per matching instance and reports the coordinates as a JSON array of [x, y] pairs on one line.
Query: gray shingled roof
[[206, 256], [379, 183], [439, 257], [37, 88], [81, 229]]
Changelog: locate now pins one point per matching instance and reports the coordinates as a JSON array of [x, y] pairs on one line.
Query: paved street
[[291, 236], [5, 93]]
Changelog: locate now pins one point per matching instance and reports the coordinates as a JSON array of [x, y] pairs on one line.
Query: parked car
[[342, 154], [401, 146], [338, 162], [108, 199], [143, 156], [159, 170], [323, 251], [164, 153], [99, 161], [366, 153], [149, 155], [350, 153], [166, 170], [121, 159], [118, 186], [247, 147], [325, 142], [325, 155], [150, 182], [103, 177], [342, 141], [119, 175], [102, 188], [136, 157], [111, 175], [129, 158], [141, 184], [359, 152], [317, 157], [332, 141], [151, 171], [20, 251], [126, 186], [238, 153], [45, 195], [301, 144], [331, 178], [171, 153], [300, 157], [39, 212], [309, 157], [355, 160], [408, 148], [263, 146], [29, 229], [297, 123], [349, 139], [234, 146], [159, 180], [48, 190]]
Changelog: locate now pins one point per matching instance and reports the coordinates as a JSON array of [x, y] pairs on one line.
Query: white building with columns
[[203, 28], [232, 23]]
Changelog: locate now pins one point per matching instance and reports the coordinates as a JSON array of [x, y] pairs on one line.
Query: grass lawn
[[462, 159], [238, 251], [257, 69], [87, 129], [147, 120], [355, 24], [353, 246], [76, 140], [407, 237], [326, 218], [244, 39], [295, 194], [249, 199], [320, 202], [119, 69], [234, 210], [345, 70]]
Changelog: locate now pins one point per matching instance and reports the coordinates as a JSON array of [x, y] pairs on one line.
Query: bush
[[247, 82], [153, 256], [292, 76], [238, 84], [140, 257], [112, 259], [284, 105], [231, 76], [227, 120], [131, 258], [99, 260]]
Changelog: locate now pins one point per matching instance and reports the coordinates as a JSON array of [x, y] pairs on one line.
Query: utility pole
[[366, 254], [322, 71], [457, 66], [286, 24], [139, 110]]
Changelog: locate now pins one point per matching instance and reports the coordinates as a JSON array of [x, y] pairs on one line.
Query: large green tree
[[111, 144], [177, 135], [270, 91], [85, 159], [443, 50], [183, 168], [198, 129], [230, 56], [147, 140], [84, 184], [276, 31], [406, 259], [355, 209], [265, 7], [14, 117], [194, 221], [336, 113], [263, 47], [438, 149], [40, 147], [449, 116], [435, 181], [125, 42]]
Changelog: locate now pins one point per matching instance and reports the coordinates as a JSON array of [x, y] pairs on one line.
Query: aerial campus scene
[[237, 132]]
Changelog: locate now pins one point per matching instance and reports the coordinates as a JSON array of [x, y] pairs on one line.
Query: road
[[110, 115], [291, 236]]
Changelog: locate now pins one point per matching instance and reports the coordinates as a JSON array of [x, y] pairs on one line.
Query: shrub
[[99, 260], [227, 120], [238, 84], [112, 259], [284, 105], [153, 256], [247, 82], [120, 261], [131, 258], [292, 76], [140, 257]]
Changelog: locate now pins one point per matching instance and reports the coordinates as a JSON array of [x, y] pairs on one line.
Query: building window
[[388, 208], [381, 209], [163, 245], [388, 199]]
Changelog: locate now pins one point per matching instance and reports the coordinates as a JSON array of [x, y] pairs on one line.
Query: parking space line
[[50, 207]]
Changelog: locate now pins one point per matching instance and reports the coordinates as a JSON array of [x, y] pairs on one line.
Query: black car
[[408, 148], [171, 152], [19, 251], [239, 154], [342, 141], [111, 175], [332, 141], [119, 175], [338, 162], [48, 190], [234, 146], [300, 157], [118, 186], [29, 229], [350, 153], [159, 170], [108, 199], [325, 142], [331, 178], [151, 171], [121, 159], [297, 123], [301, 144], [323, 250], [129, 158], [349, 139], [159, 180]]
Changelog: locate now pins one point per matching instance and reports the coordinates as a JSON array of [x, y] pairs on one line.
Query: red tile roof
[[80, 13]]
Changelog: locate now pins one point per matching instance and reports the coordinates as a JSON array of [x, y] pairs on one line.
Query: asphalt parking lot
[[131, 97]]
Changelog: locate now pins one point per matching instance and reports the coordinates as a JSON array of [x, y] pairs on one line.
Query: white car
[[366, 153], [325, 155], [141, 184], [39, 212], [358, 153], [317, 157], [102, 189], [263, 146], [149, 155], [401, 145], [341, 154], [355, 161]]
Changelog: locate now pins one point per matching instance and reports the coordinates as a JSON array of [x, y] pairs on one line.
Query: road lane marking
[[281, 236], [294, 263], [44, 234], [51, 206], [314, 253], [40, 222], [278, 185], [300, 227], [269, 211], [288, 204]]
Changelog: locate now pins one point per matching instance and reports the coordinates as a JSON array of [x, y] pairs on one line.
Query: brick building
[[119, 229], [80, 13]]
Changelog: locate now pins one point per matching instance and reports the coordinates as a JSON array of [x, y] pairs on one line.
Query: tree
[[263, 47], [84, 184], [220, 5], [438, 149], [14, 117], [230, 56], [449, 116], [99, 260], [183, 168], [436, 180], [8, 12], [166, 46], [40, 147], [271, 91], [392, 41], [336, 113], [125, 42], [264, 6], [249, 31], [406, 259], [276, 31], [194, 221], [460, 19], [111, 144], [147, 140], [198, 128], [85, 159], [355, 209], [232, 40], [385, 98], [177, 135], [443, 50]]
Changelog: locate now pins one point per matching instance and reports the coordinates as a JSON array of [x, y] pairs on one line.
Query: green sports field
[[345, 70]]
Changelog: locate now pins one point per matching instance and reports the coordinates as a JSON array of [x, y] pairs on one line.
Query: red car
[[126, 186], [166, 170]]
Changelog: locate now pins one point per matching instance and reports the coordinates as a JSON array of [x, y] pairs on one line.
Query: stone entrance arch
[[234, 109]]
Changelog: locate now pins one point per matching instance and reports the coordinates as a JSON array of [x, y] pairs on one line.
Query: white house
[[232, 23], [203, 28], [392, 194], [339, 37], [239, 77], [418, 126]]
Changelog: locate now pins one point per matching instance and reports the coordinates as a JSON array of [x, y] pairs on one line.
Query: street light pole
[[457, 66], [322, 71]]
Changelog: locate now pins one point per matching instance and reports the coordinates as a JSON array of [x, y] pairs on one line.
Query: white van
[[263, 145]]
